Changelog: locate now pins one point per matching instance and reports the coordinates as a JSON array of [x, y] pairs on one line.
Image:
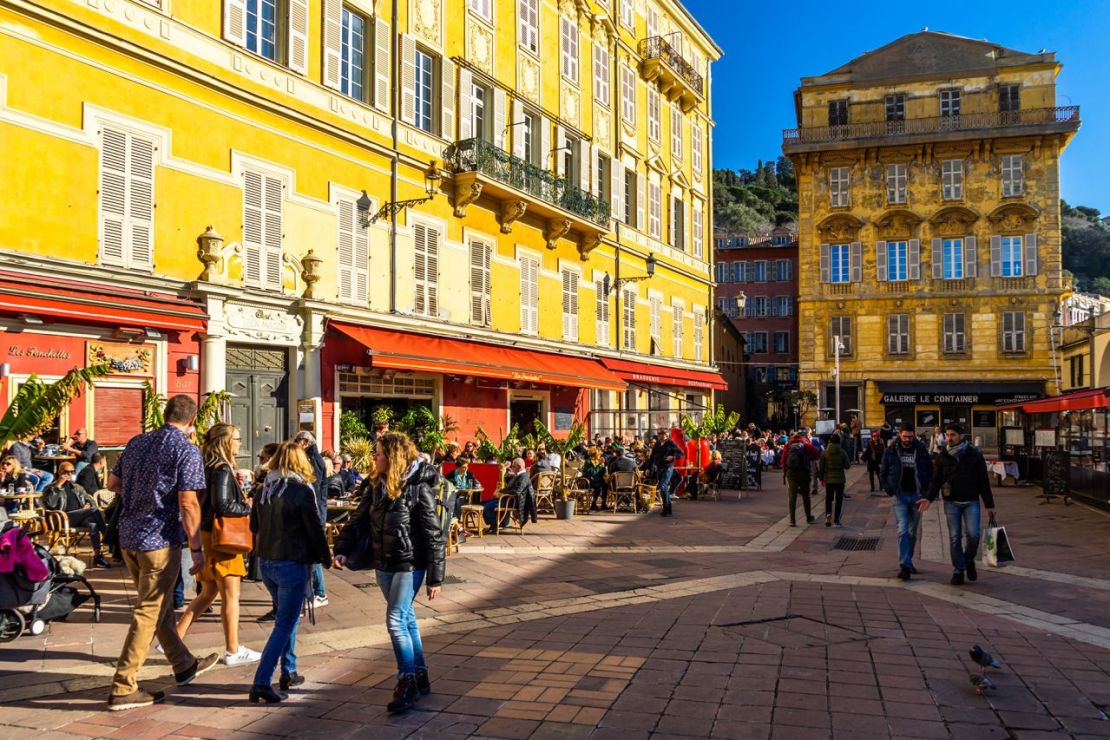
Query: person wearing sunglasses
[[63, 494]]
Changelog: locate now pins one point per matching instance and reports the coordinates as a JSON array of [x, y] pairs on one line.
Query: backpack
[[796, 458]]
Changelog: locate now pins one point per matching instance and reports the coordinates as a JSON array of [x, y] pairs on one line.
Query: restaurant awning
[[71, 300], [642, 372], [1078, 401], [402, 350]]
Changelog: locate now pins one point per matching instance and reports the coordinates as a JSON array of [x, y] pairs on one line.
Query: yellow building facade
[[929, 228], [242, 154]]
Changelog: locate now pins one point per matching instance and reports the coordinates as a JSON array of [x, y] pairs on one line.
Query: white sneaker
[[160, 649], [245, 655], [319, 601]]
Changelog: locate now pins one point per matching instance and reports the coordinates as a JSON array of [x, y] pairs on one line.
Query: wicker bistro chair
[[55, 526], [581, 492], [647, 494], [622, 490], [544, 486], [507, 515]]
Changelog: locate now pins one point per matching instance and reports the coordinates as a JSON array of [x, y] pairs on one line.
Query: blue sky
[[769, 46]]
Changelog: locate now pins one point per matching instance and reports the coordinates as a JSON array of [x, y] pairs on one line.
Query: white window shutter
[[433, 272], [252, 229], [362, 261], [617, 190], [517, 129], [500, 106], [140, 204], [346, 261], [1030, 254], [235, 21], [936, 254], [880, 261], [825, 267], [560, 156], [971, 257], [545, 145], [420, 267], [855, 262], [601, 312], [594, 174], [113, 197], [479, 283], [298, 36], [586, 165], [408, 79], [272, 233], [996, 256], [333, 44], [466, 104], [382, 41], [447, 99], [914, 259], [640, 190]]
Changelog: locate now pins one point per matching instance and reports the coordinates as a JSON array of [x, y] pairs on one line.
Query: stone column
[[213, 363], [312, 342]]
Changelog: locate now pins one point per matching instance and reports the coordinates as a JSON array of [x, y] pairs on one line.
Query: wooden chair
[[707, 490], [647, 494], [543, 484], [581, 492], [622, 490], [453, 530], [472, 519], [507, 513], [55, 526]]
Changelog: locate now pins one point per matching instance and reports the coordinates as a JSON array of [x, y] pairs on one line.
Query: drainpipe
[[394, 50]]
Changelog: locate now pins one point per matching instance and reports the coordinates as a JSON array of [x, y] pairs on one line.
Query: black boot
[[405, 694], [290, 679], [423, 683], [267, 694]]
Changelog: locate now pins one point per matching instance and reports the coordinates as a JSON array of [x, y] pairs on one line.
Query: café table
[[26, 500], [470, 496], [54, 460]]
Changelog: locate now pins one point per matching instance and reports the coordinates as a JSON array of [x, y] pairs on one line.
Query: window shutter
[[826, 269], [466, 104], [937, 256], [559, 157], [252, 228], [346, 265], [333, 44], [433, 272], [447, 99], [913, 271], [570, 305], [601, 311], [1030, 254], [971, 257], [595, 172], [426, 269], [640, 202], [545, 145], [479, 283], [235, 21], [500, 108], [996, 256], [617, 190], [113, 197], [140, 204], [408, 79], [271, 243], [519, 150], [855, 262], [382, 41], [298, 36], [586, 166], [362, 260], [880, 261]]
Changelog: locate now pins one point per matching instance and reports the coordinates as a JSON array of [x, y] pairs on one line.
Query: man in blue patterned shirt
[[159, 478]]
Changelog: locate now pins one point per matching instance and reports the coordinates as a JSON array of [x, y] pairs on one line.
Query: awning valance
[[1078, 401], [401, 350], [642, 372]]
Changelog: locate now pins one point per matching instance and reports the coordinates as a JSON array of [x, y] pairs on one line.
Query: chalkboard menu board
[[1056, 476], [564, 418], [732, 457]]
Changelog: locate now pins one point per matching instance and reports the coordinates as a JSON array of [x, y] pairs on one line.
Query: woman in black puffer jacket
[[396, 531]]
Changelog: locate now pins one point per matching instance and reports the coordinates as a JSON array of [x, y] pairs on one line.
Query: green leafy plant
[[720, 422], [154, 405], [504, 451], [212, 411], [352, 427], [804, 400], [361, 450], [381, 415], [37, 403], [562, 446], [427, 431]]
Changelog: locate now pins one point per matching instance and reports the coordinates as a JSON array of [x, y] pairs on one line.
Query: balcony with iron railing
[[482, 169], [1063, 119], [677, 79]]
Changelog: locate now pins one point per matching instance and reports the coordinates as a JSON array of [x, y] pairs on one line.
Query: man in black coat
[[960, 476], [662, 460]]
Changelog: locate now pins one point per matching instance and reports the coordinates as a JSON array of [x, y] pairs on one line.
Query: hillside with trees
[[1086, 247], [755, 200]]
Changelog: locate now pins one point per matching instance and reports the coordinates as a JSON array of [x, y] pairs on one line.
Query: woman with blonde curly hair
[[222, 573], [396, 530]]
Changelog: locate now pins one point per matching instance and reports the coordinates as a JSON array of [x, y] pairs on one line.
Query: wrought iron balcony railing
[[478, 155], [656, 47], [1067, 115]]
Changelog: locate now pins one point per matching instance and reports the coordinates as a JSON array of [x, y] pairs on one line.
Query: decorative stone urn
[[310, 273], [208, 252]]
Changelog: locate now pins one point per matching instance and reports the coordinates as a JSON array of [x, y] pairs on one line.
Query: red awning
[[642, 372], [71, 300], [435, 354], [1078, 401]]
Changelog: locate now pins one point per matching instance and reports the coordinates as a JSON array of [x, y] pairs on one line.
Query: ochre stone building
[[929, 229]]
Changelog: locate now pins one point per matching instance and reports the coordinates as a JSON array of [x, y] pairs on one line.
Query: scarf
[[958, 450], [275, 485]]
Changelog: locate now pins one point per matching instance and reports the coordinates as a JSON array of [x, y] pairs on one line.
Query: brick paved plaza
[[719, 622]]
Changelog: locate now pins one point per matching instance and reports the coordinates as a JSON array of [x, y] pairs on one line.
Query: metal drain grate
[[856, 544]]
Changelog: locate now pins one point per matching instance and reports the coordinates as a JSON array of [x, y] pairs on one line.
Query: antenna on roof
[[925, 29]]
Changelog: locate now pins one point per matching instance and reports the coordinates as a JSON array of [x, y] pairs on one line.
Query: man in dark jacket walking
[[960, 477], [799, 461], [319, 469], [663, 456], [907, 471]]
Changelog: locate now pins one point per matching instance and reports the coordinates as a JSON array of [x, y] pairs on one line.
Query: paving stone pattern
[[721, 622]]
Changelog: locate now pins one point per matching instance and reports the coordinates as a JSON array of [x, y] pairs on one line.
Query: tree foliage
[[755, 200], [154, 405], [427, 431], [1086, 245], [37, 403]]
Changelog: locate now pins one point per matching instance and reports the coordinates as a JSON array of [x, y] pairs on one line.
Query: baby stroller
[[27, 599]]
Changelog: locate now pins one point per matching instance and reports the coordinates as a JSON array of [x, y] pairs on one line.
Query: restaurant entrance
[[523, 413], [259, 384]]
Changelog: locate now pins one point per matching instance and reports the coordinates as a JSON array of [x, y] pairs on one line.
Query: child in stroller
[[33, 590]]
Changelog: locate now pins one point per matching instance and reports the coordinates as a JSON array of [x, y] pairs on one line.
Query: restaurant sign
[[970, 398], [122, 357]]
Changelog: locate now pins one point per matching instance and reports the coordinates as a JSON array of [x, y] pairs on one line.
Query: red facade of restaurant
[[51, 326], [477, 384]]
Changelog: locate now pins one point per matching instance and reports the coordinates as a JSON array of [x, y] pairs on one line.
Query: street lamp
[[608, 286], [432, 178], [838, 347], [741, 301]]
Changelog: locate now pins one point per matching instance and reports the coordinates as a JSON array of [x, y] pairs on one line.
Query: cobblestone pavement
[[720, 622]]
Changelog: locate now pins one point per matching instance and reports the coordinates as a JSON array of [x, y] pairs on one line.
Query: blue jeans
[[665, 475], [963, 517], [907, 515], [318, 581], [287, 583], [399, 590], [45, 478]]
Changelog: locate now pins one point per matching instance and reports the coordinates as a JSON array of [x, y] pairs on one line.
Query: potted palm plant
[[564, 505]]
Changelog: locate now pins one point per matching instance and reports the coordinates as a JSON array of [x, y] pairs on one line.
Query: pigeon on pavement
[[983, 658], [981, 683]]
